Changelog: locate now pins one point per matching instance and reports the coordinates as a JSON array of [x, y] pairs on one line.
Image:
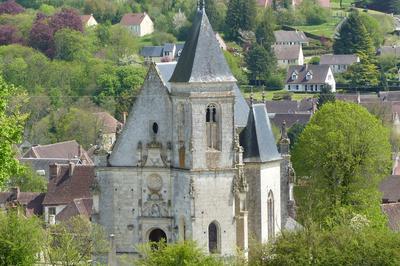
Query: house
[[181, 170], [393, 50], [166, 53], [139, 24], [339, 63], [283, 37], [390, 187], [69, 150], [30, 202], [110, 127], [68, 183], [287, 55], [88, 21], [41, 165], [309, 78]]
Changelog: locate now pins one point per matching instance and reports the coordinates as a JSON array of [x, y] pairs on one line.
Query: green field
[[326, 29]]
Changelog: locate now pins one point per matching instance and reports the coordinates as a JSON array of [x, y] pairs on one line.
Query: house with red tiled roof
[[139, 24], [68, 186], [69, 150], [30, 202], [88, 20]]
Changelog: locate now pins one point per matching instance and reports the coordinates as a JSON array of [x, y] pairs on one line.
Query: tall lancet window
[[271, 215], [213, 238], [212, 118]]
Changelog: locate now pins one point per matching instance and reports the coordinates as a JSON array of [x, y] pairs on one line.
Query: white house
[[283, 37], [287, 55], [139, 24], [339, 63], [88, 21], [309, 78]]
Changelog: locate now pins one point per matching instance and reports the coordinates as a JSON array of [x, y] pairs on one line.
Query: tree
[[215, 13], [11, 7], [70, 44], [355, 243], [12, 127], [345, 152], [294, 133], [75, 241], [265, 29], [353, 37], [21, 238], [325, 96], [365, 73], [66, 18], [9, 34], [41, 36], [177, 254], [28, 181], [241, 15], [260, 62]]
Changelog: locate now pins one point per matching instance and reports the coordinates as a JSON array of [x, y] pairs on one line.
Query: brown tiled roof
[[390, 187], [282, 107], [76, 207], [85, 19], [392, 211], [132, 19], [65, 188], [65, 150], [338, 59], [32, 201], [108, 123], [4, 197], [287, 52]]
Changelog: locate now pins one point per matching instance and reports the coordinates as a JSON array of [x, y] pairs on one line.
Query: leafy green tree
[[12, 127], [265, 29], [122, 42], [178, 254], [325, 96], [294, 133], [103, 33], [241, 15], [70, 45], [355, 243], [344, 151], [374, 28], [21, 238], [260, 62], [353, 37], [28, 181], [216, 13], [235, 65], [73, 242], [363, 74]]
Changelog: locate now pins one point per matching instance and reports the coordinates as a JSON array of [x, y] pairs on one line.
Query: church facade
[[194, 161]]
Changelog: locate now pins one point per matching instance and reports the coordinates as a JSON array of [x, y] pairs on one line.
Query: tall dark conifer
[[233, 19]]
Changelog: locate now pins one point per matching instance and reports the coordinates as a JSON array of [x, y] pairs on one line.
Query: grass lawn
[[326, 29], [269, 94], [345, 3]]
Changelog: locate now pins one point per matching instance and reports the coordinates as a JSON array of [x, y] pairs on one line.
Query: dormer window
[[309, 75], [294, 75]]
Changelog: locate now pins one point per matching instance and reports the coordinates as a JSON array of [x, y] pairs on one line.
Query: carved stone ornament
[[155, 208], [154, 182]]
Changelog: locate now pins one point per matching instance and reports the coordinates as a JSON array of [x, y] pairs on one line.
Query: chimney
[[53, 170], [71, 168]]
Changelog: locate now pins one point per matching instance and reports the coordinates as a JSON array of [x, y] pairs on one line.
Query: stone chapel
[[194, 161]]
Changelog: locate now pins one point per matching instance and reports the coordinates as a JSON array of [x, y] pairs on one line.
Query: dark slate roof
[[390, 187], [151, 51], [338, 59], [282, 107], [319, 73], [287, 52], [389, 95], [65, 187], [202, 59], [290, 119], [166, 70], [290, 36], [257, 138], [392, 211]]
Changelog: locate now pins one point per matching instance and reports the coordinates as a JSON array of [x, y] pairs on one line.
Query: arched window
[[182, 229], [213, 238], [271, 215], [212, 126]]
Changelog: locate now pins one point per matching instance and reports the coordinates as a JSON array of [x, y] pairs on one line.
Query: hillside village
[[213, 132]]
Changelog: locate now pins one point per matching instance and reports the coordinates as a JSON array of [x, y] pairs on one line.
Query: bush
[[159, 38], [282, 95], [314, 60], [274, 83]]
